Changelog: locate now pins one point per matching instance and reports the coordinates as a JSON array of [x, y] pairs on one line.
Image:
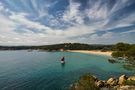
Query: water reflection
[[62, 65]]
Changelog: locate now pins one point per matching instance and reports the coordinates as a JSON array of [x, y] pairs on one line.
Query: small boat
[[62, 60]]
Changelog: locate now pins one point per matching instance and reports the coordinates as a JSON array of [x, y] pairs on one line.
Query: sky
[[43, 22]]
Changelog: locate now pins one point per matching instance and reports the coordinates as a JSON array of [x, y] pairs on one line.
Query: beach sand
[[97, 52]]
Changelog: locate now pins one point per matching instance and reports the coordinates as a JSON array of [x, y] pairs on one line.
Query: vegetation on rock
[[86, 82], [89, 82], [127, 51], [124, 50]]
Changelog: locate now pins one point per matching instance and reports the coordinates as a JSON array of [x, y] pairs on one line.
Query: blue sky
[[41, 22]]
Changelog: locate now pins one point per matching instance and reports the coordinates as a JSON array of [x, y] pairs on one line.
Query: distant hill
[[64, 46]]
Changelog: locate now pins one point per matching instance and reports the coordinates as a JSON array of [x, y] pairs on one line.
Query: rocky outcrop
[[99, 83], [131, 78], [122, 79], [89, 82], [112, 82], [126, 87]]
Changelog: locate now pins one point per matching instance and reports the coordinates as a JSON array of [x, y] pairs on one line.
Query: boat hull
[[62, 62]]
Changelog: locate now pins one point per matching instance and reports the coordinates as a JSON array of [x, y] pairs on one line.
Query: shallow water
[[22, 70]]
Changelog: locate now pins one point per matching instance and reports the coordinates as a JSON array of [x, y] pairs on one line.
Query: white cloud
[[96, 12], [20, 18], [79, 30], [42, 10], [1, 7], [9, 37], [119, 5], [71, 31], [6, 25], [130, 31], [73, 13], [107, 38], [124, 22], [35, 5], [127, 20]]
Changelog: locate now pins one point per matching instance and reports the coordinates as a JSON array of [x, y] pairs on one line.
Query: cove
[[23, 70]]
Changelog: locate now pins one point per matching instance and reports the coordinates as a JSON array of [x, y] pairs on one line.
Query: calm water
[[22, 70]]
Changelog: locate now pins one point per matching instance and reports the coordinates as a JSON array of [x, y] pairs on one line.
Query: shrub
[[86, 82], [130, 82]]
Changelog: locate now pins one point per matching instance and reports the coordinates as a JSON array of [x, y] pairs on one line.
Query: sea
[[39, 70]]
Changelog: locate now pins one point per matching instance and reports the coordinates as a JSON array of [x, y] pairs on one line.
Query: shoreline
[[96, 52]]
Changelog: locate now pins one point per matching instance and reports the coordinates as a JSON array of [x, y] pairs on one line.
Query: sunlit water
[[22, 70]]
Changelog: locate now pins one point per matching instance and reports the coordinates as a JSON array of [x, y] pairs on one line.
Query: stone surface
[[95, 78], [122, 79], [126, 87], [131, 78], [112, 82], [99, 83]]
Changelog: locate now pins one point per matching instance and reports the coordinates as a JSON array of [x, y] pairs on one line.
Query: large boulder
[[131, 78], [112, 82], [122, 79], [127, 87], [105, 83], [99, 83]]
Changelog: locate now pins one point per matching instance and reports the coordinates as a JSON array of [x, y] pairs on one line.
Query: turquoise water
[[22, 70]]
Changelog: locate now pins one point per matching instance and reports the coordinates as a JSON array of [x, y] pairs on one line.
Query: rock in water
[[122, 79]]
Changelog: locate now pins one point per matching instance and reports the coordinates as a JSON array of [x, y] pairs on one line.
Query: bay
[[23, 70]]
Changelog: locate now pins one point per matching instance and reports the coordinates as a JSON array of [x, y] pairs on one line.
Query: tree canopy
[[124, 50]]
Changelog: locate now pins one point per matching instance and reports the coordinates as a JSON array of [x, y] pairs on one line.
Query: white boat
[[62, 60]]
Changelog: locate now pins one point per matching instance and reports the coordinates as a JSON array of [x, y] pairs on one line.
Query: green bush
[[130, 82], [121, 46], [118, 54], [125, 50], [86, 82]]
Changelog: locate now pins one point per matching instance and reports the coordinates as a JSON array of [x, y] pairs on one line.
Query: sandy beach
[[97, 52]]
